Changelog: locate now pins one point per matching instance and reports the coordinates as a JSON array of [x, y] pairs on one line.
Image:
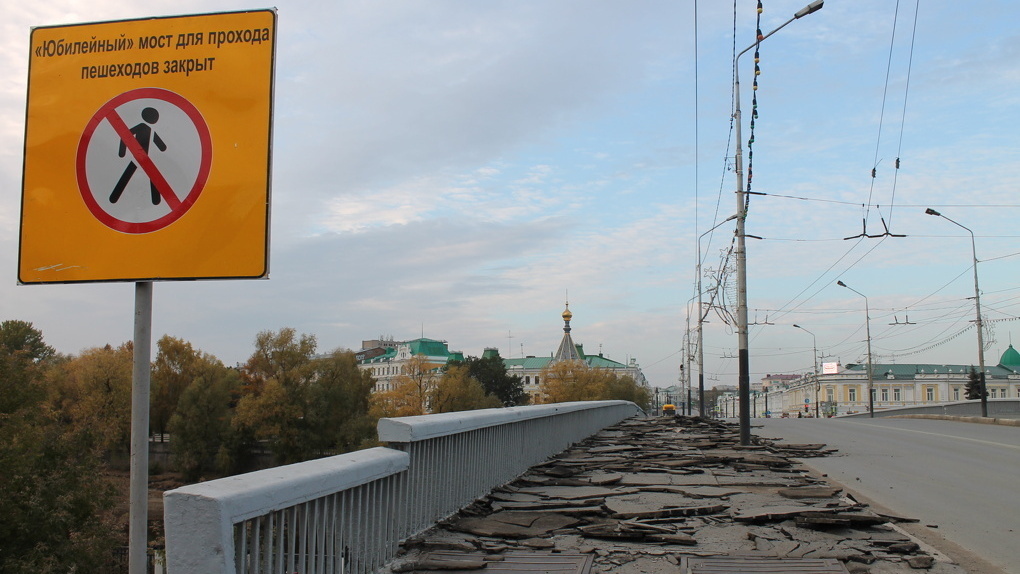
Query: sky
[[458, 170]]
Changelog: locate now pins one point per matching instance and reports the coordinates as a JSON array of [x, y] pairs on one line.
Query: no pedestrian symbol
[[143, 160]]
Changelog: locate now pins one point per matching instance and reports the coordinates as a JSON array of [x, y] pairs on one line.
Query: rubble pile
[[647, 495]]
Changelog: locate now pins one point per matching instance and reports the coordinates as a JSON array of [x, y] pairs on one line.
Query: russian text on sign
[[61, 47]]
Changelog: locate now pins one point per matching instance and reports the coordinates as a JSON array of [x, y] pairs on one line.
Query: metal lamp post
[[867, 327], [701, 319], [977, 307], [814, 360], [740, 253]]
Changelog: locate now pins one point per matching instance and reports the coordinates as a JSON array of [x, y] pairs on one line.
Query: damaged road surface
[[670, 494]]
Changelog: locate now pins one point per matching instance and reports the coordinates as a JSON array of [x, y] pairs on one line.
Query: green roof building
[[530, 368], [385, 359]]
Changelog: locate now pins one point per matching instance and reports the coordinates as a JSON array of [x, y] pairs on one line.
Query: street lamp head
[[931, 211], [798, 326], [841, 284], [809, 9]]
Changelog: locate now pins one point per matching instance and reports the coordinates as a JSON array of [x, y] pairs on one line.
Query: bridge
[[685, 493]]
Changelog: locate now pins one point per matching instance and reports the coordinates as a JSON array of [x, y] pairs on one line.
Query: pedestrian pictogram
[[143, 134], [141, 179]]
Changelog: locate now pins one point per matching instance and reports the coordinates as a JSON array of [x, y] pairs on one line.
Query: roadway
[[962, 477]]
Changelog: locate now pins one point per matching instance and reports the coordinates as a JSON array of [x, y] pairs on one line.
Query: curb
[[978, 420]]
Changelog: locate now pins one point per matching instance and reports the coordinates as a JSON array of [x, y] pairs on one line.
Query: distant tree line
[[60, 415]]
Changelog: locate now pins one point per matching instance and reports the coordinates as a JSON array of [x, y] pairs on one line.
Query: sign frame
[[222, 64]]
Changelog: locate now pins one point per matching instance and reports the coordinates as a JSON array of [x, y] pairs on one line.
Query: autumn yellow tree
[[564, 381], [93, 391], [457, 390], [410, 393]]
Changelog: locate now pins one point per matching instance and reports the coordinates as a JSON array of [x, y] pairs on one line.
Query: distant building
[[530, 368], [386, 359], [773, 382], [844, 389]]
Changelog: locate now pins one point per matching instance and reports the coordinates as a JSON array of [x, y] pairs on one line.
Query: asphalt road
[[962, 477]]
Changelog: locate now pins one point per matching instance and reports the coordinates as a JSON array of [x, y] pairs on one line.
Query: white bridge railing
[[347, 513]]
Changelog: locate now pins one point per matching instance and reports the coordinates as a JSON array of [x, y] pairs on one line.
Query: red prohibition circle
[[178, 207]]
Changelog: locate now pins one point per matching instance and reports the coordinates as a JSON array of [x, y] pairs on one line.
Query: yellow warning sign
[[148, 150]]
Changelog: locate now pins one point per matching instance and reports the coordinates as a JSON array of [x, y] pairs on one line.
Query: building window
[[929, 393], [527, 380], [853, 394], [885, 395], [828, 394], [896, 395], [956, 393], [993, 393], [536, 379]]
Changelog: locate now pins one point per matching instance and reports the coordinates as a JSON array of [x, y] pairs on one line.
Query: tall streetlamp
[[977, 307], [740, 253], [867, 327], [814, 360], [701, 320]]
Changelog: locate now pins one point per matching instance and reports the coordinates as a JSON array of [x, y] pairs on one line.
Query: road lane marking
[[988, 442]]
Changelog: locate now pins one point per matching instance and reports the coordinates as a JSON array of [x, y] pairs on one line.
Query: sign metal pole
[[138, 520]]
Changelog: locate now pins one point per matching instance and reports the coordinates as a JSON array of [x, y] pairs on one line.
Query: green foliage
[[177, 365], [457, 390], [52, 494], [283, 356], [20, 337], [625, 388], [973, 388], [299, 406], [338, 404], [492, 374], [272, 406], [201, 424]]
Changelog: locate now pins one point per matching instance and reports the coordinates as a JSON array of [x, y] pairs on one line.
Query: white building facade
[[845, 391]]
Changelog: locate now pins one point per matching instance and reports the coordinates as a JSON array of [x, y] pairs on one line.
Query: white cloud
[[458, 166]]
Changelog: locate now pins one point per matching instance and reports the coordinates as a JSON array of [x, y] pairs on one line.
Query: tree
[[410, 393], [275, 416], [177, 365], [200, 424], [625, 388], [337, 412], [457, 390], [973, 388], [21, 337], [491, 372], [53, 496], [272, 405], [93, 392], [283, 356], [564, 381]]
